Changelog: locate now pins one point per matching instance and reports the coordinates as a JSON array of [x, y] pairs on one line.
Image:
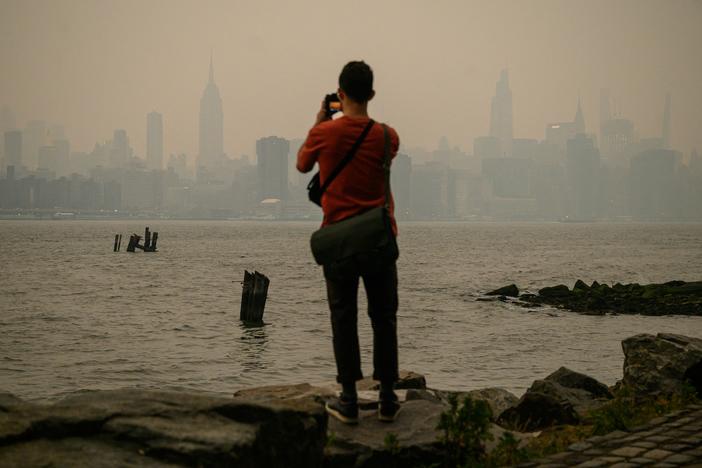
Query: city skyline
[[272, 73]]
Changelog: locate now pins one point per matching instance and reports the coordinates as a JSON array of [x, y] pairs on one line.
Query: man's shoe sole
[[339, 416], [389, 418]]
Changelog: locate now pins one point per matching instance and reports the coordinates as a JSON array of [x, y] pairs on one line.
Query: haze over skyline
[[97, 66]]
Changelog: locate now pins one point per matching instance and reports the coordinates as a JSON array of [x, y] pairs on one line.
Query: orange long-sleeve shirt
[[360, 186]]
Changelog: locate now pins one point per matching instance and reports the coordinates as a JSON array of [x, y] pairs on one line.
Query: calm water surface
[[75, 315]]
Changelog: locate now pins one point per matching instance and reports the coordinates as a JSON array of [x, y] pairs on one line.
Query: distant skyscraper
[[13, 148], [7, 123], [401, 177], [211, 125], [33, 138], [154, 141], [605, 112], [666, 123], [583, 171], [559, 133], [579, 120], [272, 161], [501, 125], [120, 151]]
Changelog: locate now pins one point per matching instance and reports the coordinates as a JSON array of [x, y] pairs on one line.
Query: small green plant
[[331, 439], [391, 443], [507, 452], [465, 431]]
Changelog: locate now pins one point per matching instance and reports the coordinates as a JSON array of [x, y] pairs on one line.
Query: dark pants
[[380, 283]]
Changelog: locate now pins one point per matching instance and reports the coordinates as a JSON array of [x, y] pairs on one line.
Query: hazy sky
[[94, 66]]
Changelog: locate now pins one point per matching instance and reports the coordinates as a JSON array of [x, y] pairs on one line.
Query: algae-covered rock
[[673, 297], [510, 291], [555, 291]]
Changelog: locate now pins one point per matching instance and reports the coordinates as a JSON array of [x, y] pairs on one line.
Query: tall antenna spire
[[211, 68]]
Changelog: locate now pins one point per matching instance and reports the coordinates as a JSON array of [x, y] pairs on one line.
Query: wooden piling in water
[[147, 240], [119, 244], [154, 239], [133, 243], [253, 297], [116, 247]]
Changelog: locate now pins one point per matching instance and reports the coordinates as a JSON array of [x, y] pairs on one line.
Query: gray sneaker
[[345, 411]]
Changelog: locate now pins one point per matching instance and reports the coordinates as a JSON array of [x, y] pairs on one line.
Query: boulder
[[134, 427], [288, 392], [412, 440], [510, 291], [580, 286], [498, 399], [575, 380], [365, 445], [555, 291], [563, 397], [662, 364], [537, 411]]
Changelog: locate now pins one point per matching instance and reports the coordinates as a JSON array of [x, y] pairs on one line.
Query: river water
[[74, 315]]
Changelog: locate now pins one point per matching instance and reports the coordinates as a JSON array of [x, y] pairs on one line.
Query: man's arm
[[309, 151]]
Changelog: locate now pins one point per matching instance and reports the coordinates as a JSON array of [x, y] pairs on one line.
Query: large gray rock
[[498, 399], [417, 440], [661, 364], [157, 428], [564, 397]]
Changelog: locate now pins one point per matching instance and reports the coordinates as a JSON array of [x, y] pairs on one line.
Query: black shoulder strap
[[348, 157]]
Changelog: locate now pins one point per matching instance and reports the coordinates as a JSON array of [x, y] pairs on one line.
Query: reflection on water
[[253, 350]]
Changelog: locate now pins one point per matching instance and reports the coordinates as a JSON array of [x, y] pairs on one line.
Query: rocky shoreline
[[286, 425], [671, 298]]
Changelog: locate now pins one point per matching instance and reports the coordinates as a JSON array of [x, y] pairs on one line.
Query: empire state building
[[211, 131]]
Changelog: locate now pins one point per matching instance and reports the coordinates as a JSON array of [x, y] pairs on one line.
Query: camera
[[332, 105]]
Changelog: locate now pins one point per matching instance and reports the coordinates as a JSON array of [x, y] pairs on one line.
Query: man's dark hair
[[356, 80]]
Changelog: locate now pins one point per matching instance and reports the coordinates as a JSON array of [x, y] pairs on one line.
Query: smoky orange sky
[[94, 66]]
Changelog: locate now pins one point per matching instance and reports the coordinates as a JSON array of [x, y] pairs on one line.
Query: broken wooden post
[[119, 243], [133, 243], [154, 239], [147, 240], [253, 297], [115, 248]]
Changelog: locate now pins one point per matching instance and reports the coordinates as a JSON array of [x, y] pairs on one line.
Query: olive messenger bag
[[366, 235]]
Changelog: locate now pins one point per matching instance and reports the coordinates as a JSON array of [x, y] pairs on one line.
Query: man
[[358, 187]]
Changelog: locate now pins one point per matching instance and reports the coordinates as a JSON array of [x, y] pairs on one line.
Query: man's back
[[361, 184]]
